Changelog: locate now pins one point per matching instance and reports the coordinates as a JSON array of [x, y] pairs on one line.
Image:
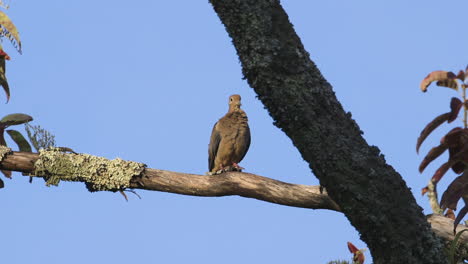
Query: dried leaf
[[461, 75], [430, 127], [432, 155], [452, 137], [443, 78], [10, 31], [460, 216], [454, 192], [456, 139], [455, 106], [358, 255], [3, 54], [3, 79], [441, 171], [450, 214], [459, 155], [15, 119], [424, 190], [352, 248], [18, 138]]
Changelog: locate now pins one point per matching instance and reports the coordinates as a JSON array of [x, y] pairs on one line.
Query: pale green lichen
[[98, 173], [4, 151]]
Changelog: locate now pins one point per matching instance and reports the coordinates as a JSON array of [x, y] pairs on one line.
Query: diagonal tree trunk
[[372, 195]]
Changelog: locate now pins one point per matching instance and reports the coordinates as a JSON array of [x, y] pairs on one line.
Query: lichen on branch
[[99, 174], [4, 151]]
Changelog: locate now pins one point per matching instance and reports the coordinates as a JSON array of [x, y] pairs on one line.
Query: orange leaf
[[443, 78], [450, 214], [352, 248], [5, 55], [432, 155], [430, 127], [358, 255], [424, 190]]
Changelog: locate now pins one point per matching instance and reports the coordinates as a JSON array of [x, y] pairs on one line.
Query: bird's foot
[[220, 171], [236, 167], [223, 169]]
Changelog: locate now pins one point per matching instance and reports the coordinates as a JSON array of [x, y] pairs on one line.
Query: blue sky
[[146, 81]]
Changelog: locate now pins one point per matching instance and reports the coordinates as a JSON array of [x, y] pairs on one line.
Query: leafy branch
[[8, 30], [455, 141]]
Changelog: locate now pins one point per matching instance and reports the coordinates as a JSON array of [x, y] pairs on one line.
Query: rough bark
[[232, 183], [372, 195]]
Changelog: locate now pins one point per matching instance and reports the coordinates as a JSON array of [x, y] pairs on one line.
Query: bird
[[230, 139]]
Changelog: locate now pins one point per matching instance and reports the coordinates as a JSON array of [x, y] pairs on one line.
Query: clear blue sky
[[146, 81]]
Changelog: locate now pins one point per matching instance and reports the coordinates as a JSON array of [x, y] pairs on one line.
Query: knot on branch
[[99, 174]]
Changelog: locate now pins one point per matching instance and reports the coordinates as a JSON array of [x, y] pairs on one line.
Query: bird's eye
[[230, 99]]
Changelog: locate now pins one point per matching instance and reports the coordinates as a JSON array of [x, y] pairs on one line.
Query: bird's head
[[234, 102]]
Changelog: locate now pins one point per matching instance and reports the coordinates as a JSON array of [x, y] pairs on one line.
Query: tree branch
[[371, 194], [235, 183], [232, 183]]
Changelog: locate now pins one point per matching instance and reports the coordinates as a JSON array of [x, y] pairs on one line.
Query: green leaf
[[15, 119], [453, 247], [22, 143], [10, 31]]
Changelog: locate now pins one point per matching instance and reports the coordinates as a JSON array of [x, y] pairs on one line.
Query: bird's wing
[[245, 143], [213, 146]]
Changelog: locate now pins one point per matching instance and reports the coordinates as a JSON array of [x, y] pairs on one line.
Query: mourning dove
[[230, 139]]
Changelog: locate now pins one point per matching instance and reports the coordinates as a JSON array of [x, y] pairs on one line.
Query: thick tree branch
[[372, 195], [232, 183]]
